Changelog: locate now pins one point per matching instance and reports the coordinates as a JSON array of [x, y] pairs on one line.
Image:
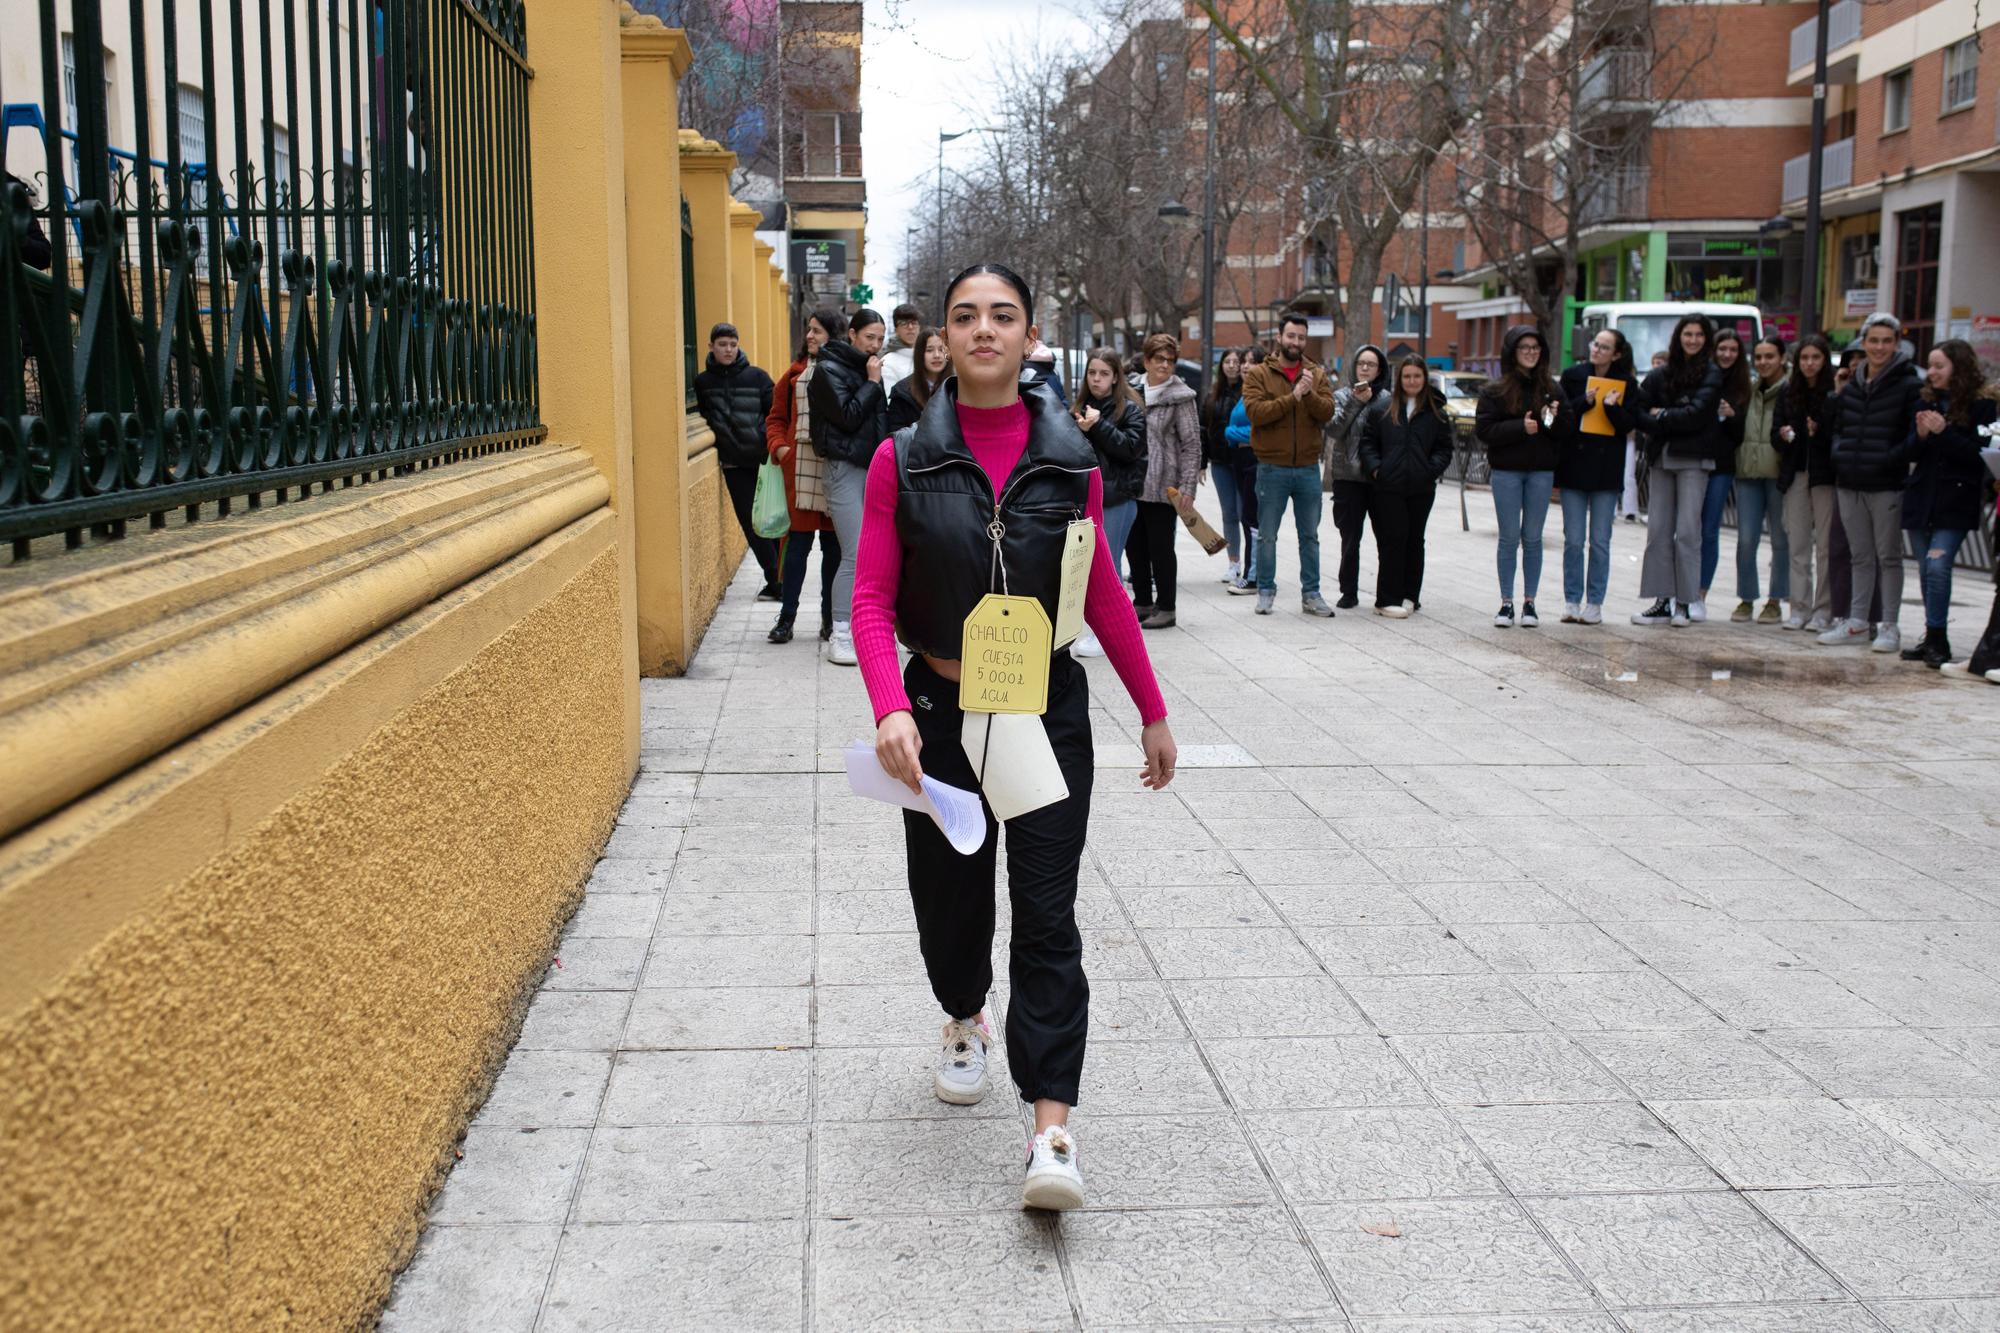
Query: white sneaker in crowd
[[1683, 613], [840, 647], [1697, 611], [1796, 620], [1845, 632], [1053, 1181], [961, 1067], [1593, 614], [1888, 638], [1400, 611], [1820, 623], [1086, 645], [1235, 572], [1572, 613]]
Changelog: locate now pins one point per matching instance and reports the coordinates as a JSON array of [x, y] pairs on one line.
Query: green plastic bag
[[770, 515]]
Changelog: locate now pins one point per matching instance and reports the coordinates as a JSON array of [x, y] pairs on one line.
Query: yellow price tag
[[1004, 658]]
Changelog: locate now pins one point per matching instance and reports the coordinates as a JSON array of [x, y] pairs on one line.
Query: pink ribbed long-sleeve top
[[997, 437]]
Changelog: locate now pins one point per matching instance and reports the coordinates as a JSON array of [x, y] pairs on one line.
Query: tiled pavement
[[1456, 984]]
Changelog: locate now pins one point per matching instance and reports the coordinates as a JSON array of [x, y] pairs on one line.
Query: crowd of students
[[1834, 459]]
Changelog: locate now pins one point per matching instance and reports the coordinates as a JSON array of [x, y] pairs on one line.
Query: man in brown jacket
[[1288, 399]]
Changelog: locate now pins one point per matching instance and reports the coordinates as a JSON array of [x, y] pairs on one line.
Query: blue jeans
[[1936, 549], [1521, 499], [1588, 514], [1758, 499], [1276, 488], [1712, 505], [1118, 520], [1223, 478]]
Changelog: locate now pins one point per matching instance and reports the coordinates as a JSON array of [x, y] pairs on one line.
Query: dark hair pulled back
[[1002, 272]]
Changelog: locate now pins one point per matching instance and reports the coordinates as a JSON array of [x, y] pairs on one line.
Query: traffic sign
[[1392, 297]]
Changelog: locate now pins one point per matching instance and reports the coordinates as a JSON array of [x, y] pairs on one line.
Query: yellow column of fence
[[713, 545], [770, 342], [577, 124], [653, 58], [705, 168], [748, 316]]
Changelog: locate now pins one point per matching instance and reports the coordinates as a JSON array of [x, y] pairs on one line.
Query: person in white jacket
[[897, 353]]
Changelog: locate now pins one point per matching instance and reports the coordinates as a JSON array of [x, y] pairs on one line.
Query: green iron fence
[[309, 262]]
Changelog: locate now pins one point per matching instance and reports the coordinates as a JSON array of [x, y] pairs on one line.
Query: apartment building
[[1910, 185], [824, 189], [1703, 126]]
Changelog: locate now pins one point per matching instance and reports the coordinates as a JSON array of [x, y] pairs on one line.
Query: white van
[[1648, 324]]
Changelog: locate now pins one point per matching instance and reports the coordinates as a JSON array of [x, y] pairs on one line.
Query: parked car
[[1648, 324], [1461, 403]]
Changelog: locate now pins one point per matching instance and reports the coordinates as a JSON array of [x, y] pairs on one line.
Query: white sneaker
[[1235, 572], [1845, 632], [1820, 624], [1410, 605], [1697, 611], [1086, 645], [1572, 613], [1593, 614], [1888, 638], [840, 648], [1053, 1182], [1401, 611], [1683, 612], [1796, 620], [961, 1066]]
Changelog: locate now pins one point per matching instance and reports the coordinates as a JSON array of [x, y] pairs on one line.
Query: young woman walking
[[976, 498], [851, 413], [1947, 489], [788, 436], [1685, 439], [930, 359], [1108, 412], [1345, 476], [1224, 392], [1590, 469], [1520, 421], [1804, 430], [1405, 447], [1173, 459]]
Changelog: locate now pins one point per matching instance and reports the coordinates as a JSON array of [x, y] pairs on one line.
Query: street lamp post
[[1208, 226], [1809, 317], [937, 233]]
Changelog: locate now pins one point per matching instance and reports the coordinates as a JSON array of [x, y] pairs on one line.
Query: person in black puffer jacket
[[1680, 417], [930, 362], [1871, 462], [1520, 420], [1405, 447], [850, 420], [1803, 428], [1947, 489], [1117, 431], [734, 398]]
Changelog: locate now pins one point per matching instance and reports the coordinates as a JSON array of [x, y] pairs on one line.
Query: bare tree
[[1366, 97], [1558, 142]]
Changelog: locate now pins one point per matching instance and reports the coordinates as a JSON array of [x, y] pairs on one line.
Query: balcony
[[828, 148], [1843, 44], [1615, 194], [1836, 171], [1616, 79]]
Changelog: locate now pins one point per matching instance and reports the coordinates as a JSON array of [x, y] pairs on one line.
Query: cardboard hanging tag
[[1079, 548], [1016, 765], [1004, 656]]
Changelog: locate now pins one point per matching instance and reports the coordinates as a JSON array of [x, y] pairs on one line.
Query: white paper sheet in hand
[[954, 810], [1019, 768]]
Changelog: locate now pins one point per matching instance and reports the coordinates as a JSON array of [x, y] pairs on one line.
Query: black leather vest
[[945, 506]]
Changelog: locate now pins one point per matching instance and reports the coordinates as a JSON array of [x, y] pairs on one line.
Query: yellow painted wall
[[232, 1112]]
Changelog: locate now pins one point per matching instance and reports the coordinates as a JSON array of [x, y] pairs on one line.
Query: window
[[193, 112], [278, 191], [1896, 102], [1408, 323], [1918, 233], [1961, 75]]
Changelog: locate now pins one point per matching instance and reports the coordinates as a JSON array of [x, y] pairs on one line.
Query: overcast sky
[[922, 64]]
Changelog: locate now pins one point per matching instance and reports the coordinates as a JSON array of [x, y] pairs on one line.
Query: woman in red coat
[[788, 436]]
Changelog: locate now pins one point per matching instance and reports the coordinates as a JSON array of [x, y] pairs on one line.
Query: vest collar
[[1053, 437]]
